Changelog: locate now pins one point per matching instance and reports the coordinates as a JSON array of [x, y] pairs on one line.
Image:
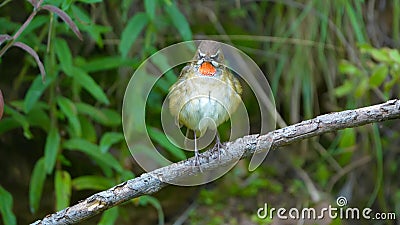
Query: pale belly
[[201, 113], [202, 102]]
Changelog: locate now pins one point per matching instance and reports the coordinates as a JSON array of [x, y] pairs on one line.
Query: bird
[[205, 89]]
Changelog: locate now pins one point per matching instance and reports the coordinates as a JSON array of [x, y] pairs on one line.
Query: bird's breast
[[198, 102]]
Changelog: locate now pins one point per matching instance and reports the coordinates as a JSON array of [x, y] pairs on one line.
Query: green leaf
[[92, 183], [126, 175], [323, 174], [51, 149], [94, 113], [6, 205], [36, 185], [7, 124], [346, 67], [131, 32], [106, 117], [63, 189], [70, 111], [378, 75], [144, 200], [87, 82], [109, 217], [90, 1], [380, 55], [89, 150], [179, 21], [364, 47], [81, 15], [162, 62], [344, 89], [17, 104], [362, 88], [35, 91], [161, 139], [64, 55], [150, 6], [348, 138], [37, 22], [93, 152], [356, 23], [377, 140], [106, 63], [95, 31], [114, 118], [394, 55], [109, 139], [64, 161], [66, 5], [22, 120], [88, 130], [37, 117], [388, 86], [7, 25]]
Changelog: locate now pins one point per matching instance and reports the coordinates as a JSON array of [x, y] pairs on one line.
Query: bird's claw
[[197, 161], [218, 146]]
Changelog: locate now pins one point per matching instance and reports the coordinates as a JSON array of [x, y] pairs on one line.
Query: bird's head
[[209, 57]]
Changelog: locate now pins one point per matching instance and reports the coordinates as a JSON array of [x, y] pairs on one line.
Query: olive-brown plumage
[[206, 90]]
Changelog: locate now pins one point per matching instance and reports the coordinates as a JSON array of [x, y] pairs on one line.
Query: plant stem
[[19, 31]]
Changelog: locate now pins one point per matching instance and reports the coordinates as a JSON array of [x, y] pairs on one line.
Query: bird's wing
[[181, 77]]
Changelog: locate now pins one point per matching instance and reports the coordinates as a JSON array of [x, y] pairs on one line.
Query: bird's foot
[[217, 147], [197, 161]]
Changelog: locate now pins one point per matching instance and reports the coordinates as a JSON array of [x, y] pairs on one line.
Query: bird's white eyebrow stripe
[[215, 54]]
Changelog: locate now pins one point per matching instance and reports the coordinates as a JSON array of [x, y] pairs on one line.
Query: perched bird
[[205, 89]]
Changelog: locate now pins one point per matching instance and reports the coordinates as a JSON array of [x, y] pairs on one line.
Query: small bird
[[205, 89]]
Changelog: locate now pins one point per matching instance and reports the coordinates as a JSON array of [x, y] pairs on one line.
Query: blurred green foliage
[[319, 56], [378, 73]]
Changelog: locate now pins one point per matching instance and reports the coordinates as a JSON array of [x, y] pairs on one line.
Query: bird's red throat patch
[[207, 69]]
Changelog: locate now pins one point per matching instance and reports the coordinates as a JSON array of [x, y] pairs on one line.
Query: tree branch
[[151, 182]]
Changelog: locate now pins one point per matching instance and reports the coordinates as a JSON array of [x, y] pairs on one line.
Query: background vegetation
[[61, 140]]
